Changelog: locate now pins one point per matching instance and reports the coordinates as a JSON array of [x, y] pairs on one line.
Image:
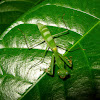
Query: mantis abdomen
[[47, 36]]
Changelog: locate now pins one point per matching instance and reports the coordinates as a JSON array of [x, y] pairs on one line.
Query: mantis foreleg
[[68, 62]]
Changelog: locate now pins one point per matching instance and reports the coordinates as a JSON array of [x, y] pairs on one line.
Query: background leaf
[[10, 10], [83, 83]]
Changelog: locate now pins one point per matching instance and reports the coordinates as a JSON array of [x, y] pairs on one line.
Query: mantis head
[[62, 73]]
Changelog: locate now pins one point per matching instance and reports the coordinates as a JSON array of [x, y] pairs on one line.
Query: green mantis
[[56, 56], [60, 60]]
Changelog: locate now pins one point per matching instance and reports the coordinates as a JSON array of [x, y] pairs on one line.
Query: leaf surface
[[10, 10], [18, 81]]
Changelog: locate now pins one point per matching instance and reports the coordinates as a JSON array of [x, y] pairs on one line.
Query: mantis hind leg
[[27, 42], [50, 69], [62, 33], [41, 61]]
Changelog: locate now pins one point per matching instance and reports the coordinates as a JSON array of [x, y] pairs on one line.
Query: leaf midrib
[[83, 37]]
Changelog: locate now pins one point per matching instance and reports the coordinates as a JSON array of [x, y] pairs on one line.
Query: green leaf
[[10, 10], [18, 81]]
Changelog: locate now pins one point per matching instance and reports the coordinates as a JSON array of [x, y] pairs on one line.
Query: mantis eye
[[62, 73]]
